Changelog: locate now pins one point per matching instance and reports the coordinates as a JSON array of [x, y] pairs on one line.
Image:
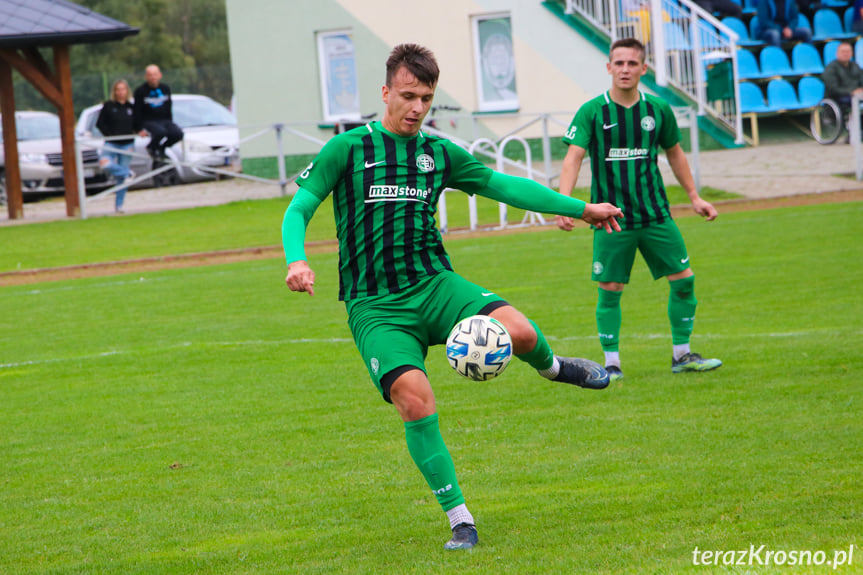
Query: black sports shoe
[[464, 536], [614, 372], [582, 372]]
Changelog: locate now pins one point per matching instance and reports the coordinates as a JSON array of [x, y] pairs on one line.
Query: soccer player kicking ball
[[623, 130], [395, 277]]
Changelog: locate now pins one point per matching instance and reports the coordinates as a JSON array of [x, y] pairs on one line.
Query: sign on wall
[[494, 63], [338, 72]]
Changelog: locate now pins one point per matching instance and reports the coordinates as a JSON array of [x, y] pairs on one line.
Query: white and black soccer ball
[[479, 348]]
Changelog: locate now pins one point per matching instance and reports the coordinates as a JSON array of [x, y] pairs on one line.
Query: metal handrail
[[698, 40]]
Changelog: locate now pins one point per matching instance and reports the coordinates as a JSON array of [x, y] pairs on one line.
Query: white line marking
[[345, 340]]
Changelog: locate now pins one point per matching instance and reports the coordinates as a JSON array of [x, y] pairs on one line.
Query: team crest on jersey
[[598, 268], [425, 163], [376, 365], [648, 123], [570, 134]]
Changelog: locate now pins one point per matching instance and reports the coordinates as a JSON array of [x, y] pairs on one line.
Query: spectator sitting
[[843, 77], [153, 114], [778, 22]]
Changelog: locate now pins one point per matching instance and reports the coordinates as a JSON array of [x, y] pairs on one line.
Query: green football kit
[[394, 273], [624, 144]]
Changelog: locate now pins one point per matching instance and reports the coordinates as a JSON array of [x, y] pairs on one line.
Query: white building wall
[[275, 62]]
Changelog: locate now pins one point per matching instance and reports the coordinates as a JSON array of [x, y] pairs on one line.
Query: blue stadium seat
[[751, 99], [806, 60], [747, 65], [848, 19], [810, 91], [781, 96], [834, 3], [830, 51], [774, 62], [737, 25], [828, 26], [858, 52], [750, 6], [675, 38], [754, 28], [803, 22]]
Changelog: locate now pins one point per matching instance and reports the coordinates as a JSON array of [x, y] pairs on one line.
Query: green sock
[[430, 454], [541, 358], [681, 309], [608, 319]]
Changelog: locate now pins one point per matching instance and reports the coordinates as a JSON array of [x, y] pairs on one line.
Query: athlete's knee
[[411, 393], [520, 330], [611, 286], [682, 286]]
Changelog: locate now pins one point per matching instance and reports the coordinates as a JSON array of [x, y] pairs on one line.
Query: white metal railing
[[519, 129], [681, 41]]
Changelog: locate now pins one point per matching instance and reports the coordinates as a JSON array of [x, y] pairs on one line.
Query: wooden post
[[14, 197], [63, 76]]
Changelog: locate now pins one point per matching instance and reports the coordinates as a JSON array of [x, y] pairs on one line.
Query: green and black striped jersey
[[385, 193], [623, 144]]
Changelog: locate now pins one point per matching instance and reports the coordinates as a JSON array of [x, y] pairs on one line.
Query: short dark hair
[[627, 43], [418, 60], [850, 44]]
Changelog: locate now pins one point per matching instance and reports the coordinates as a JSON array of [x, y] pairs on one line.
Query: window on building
[[338, 71], [494, 63]]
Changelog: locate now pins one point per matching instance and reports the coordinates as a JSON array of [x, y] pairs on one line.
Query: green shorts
[[393, 332], [661, 245]]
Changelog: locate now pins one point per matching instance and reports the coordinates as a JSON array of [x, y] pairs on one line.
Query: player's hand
[[301, 277], [704, 208], [565, 223], [602, 216]]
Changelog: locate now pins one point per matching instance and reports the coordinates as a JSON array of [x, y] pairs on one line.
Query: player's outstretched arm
[[526, 194], [680, 166]]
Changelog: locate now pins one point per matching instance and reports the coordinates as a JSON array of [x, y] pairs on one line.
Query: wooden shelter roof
[[27, 23]]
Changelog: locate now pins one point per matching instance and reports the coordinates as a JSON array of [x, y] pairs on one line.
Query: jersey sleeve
[[669, 134], [294, 224], [527, 194], [316, 182], [581, 129], [323, 174], [466, 172]]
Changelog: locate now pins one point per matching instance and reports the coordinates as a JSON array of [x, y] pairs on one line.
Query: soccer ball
[[479, 348]]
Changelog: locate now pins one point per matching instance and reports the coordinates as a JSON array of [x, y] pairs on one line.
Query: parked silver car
[[40, 157], [211, 137]]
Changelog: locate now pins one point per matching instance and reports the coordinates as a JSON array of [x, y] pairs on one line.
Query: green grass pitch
[[206, 420]]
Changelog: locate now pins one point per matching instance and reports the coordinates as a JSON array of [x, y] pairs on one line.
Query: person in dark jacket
[[777, 22], [843, 77], [153, 114], [116, 119]]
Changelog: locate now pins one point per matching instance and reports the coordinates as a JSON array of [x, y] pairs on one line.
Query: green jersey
[[385, 193], [623, 144]]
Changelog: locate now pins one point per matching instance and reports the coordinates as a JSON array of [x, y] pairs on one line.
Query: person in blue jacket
[[777, 22]]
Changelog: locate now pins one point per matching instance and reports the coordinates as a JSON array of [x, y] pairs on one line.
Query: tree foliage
[[188, 39]]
